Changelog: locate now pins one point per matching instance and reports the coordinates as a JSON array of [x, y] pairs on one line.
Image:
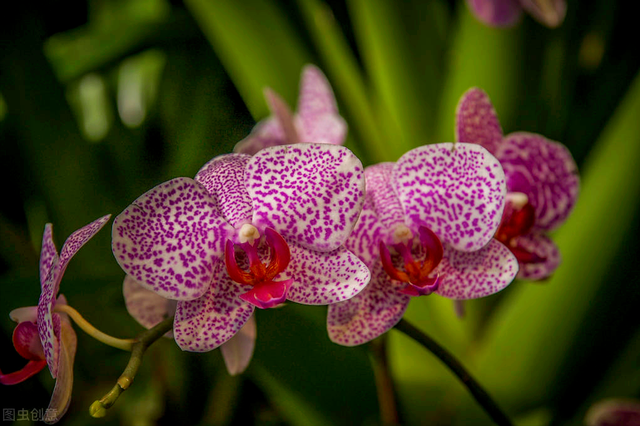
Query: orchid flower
[[45, 337], [317, 119], [542, 183], [506, 13], [149, 309], [614, 412], [202, 242], [426, 227]]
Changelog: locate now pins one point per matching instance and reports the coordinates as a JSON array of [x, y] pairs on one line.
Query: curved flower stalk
[[542, 183], [507, 13], [247, 232], [149, 309], [317, 119], [426, 227], [45, 337]]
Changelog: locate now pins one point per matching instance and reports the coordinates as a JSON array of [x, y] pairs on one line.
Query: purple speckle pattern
[[145, 306], [545, 248], [318, 119], [370, 313], [470, 275], [457, 191], [545, 171], [477, 121], [204, 324], [49, 323], [496, 13], [321, 278], [224, 178], [311, 194], [170, 238]]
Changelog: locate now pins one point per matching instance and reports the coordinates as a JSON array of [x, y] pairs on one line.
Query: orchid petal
[[238, 351], [614, 412], [496, 13], [31, 369], [145, 306], [48, 325], [318, 116], [545, 172], [381, 212], [470, 275], [266, 133], [47, 254], [284, 116], [323, 278], [27, 313], [457, 191], [27, 342], [309, 193], [477, 121], [170, 238], [204, 324], [544, 248], [370, 313], [224, 178], [61, 397], [548, 12]]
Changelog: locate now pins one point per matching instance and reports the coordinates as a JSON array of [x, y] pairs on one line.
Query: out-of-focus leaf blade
[[257, 46]]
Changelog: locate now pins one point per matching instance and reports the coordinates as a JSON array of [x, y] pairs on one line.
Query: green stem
[[87, 327], [384, 382], [142, 343], [480, 395]]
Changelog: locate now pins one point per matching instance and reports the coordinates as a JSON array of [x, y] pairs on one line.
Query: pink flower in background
[[317, 119], [426, 227], [542, 183], [506, 13], [45, 337]]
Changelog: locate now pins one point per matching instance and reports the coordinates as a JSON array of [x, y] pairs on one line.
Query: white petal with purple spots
[[309, 193], [477, 121], [204, 324], [457, 191], [48, 323], [545, 171], [145, 306], [324, 278], [170, 238], [370, 313], [470, 275], [224, 178]]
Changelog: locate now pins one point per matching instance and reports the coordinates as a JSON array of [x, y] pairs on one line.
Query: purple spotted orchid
[[506, 13], [45, 337], [542, 183], [426, 227], [149, 309], [317, 119], [202, 242]]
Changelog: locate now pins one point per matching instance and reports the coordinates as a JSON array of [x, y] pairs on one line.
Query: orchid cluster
[[292, 215]]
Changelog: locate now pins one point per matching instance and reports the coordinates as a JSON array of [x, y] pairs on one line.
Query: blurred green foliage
[[102, 102]]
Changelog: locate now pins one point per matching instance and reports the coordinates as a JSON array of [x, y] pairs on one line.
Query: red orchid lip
[[27, 343], [266, 292], [517, 221], [416, 274]]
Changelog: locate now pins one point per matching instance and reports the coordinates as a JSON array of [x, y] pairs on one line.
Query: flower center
[[518, 219], [266, 292], [416, 273]]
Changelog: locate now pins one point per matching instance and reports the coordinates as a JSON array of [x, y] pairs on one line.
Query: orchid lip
[[266, 292], [415, 274], [518, 220]]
